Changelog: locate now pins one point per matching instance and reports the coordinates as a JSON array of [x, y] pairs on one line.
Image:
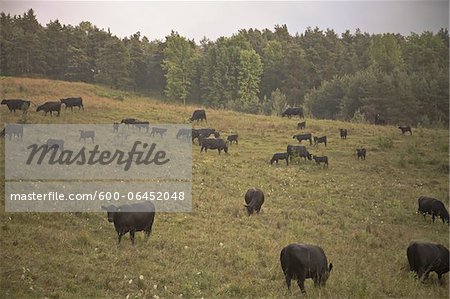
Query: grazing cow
[[232, 138], [184, 134], [301, 137], [426, 257], [141, 125], [298, 151], [361, 153], [319, 160], [50, 107], [13, 130], [198, 115], [302, 261], [379, 121], [16, 104], [213, 143], [73, 102], [116, 127], [280, 156], [318, 140], [58, 144], [343, 133], [204, 132], [434, 207], [293, 111], [405, 129], [254, 199], [126, 219], [128, 121], [301, 125], [87, 134], [160, 131]]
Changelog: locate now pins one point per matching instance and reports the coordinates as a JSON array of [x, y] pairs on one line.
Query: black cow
[[301, 137], [318, 140], [128, 121], [73, 102], [213, 143], [302, 261], [198, 115], [405, 129], [50, 107], [254, 199], [126, 219], [160, 131], [319, 160], [343, 133], [87, 134], [280, 156], [379, 121], [426, 257], [58, 144], [13, 130], [434, 207], [298, 151], [361, 153], [232, 138], [301, 125], [184, 134], [293, 111], [16, 104], [116, 127], [196, 133]]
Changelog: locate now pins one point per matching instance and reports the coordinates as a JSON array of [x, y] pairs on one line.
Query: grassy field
[[362, 213]]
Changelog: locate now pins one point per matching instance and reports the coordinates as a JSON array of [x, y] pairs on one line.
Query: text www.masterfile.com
[[102, 196]]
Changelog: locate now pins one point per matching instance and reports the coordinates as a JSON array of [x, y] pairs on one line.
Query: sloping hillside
[[362, 213]]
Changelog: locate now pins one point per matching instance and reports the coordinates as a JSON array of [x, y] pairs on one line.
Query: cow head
[[216, 134], [308, 155], [250, 209], [4, 102], [110, 212], [326, 275], [225, 148], [39, 108]]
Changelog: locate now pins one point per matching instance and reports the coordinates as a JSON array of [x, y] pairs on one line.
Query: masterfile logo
[[80, 167]]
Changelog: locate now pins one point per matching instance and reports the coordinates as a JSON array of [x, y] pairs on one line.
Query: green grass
[[362, 213]]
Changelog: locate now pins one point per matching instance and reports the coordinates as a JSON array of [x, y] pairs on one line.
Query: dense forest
[[351, 76]]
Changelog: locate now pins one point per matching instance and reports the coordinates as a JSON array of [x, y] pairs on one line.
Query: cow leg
[[219, 150], [432, 216], [288, 278], [301, 285], [119, 237]]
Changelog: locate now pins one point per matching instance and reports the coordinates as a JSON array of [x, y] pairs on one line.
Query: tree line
[[351, 76]]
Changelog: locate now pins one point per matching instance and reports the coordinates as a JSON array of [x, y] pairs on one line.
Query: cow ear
[[330, 267]]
